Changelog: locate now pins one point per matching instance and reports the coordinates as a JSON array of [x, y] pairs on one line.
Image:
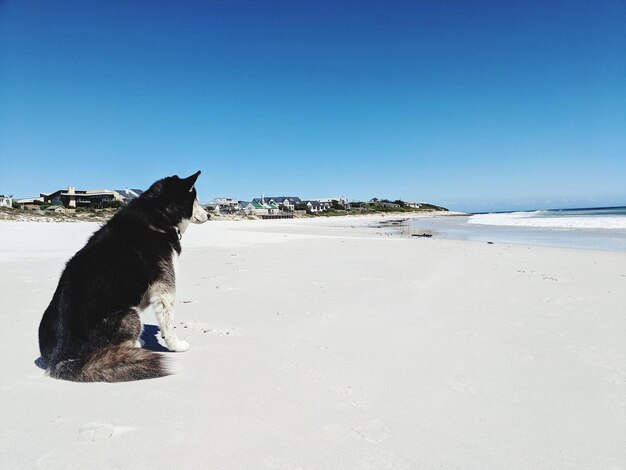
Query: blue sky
[[475, 105]]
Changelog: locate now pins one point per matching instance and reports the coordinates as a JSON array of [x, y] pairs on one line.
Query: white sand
[[318, 345]]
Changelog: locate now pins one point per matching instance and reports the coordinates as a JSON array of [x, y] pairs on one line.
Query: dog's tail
[[120, 363]]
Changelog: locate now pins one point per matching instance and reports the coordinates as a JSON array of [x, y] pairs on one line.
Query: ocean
[[600, 228], [601, 218]]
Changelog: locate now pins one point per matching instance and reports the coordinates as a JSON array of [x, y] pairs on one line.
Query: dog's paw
[[180, 346]]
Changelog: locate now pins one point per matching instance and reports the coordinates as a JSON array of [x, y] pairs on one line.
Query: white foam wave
[[536, 219]]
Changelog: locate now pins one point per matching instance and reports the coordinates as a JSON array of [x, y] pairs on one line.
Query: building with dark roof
[[288, 202], [317, 206], [73, 198]]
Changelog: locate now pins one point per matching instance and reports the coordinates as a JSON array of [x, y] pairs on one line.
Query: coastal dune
[[325, 343]]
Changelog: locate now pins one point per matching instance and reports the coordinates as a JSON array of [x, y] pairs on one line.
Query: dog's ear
[[190, 181]]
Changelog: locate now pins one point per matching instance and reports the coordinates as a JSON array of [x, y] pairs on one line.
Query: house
[[388, 205], [243, 205], [30, 200], [317, 206], [287, 202], [30, 203], [254, 208], [53, 198], [342, 201], [6, 201], [72, 198], [225, 202], [228, 209], [225, 205]]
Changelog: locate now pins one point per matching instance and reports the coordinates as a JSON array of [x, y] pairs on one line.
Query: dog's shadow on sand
[[41, 363], [148, 336]]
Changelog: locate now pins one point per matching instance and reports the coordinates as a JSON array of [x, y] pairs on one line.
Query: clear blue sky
[[475, 105]]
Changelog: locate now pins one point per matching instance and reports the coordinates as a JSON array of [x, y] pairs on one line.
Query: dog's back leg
[[121, 328], [110, 355]]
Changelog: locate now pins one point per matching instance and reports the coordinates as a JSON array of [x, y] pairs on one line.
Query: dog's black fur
[[89, 330]]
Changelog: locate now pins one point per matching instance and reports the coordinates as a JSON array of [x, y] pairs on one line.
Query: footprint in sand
[[205, 329], [461, 384], [93, 432], [98, 431], [616, 377], [552, 300], [536, 275], [373, 431]]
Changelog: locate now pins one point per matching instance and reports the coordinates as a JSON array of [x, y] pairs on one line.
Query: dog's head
[[177, 199]]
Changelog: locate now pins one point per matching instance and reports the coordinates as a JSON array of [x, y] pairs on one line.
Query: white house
[[225, 204], [318, 206], [288, 202], [225, 201], [6, 201], [254, 208], [342, 201]]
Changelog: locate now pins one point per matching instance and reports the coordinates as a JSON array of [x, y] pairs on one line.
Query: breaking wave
[[551, 219]]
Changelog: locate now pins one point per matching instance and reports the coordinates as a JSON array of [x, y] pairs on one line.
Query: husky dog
[[90, 330]]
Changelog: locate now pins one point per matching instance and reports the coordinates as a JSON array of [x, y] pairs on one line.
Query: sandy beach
[[326, 344]]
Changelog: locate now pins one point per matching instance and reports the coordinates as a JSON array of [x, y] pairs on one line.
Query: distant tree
[[374, 200], [399, 202], [335, 205], [301, 206]]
